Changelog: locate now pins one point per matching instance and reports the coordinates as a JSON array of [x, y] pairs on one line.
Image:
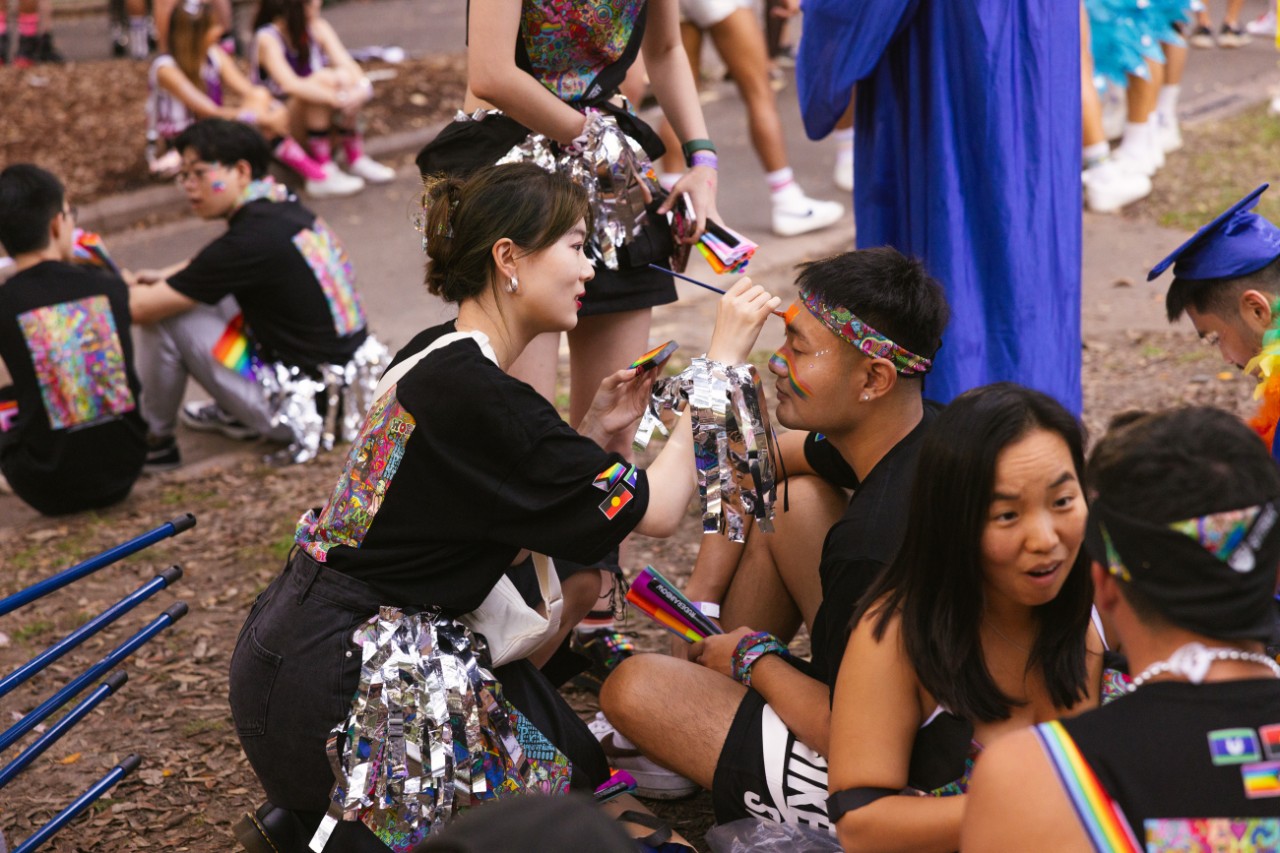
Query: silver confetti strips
[[344, 393], [429, 733], [730, 442]]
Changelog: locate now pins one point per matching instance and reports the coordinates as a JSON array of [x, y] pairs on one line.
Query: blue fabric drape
[[967, 156]]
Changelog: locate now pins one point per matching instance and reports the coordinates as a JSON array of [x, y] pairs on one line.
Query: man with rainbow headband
[[743, 716], [1226, 279], [1184, 533], [266, 318]]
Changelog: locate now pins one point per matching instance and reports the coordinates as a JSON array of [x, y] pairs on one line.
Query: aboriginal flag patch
[[619, 481]]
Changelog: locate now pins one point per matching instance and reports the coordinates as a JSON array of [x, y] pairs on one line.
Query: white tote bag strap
[[395, 374]]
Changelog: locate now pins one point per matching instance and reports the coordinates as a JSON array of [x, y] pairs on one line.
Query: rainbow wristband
[[750, 649], [704, 158]]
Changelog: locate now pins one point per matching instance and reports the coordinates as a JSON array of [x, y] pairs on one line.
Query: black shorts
[[613, 291], [765, 772]]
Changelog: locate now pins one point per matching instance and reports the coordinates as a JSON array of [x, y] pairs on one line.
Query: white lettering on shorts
[[795, 776]]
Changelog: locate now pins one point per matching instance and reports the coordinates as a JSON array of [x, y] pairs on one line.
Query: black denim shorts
[[293, 673]]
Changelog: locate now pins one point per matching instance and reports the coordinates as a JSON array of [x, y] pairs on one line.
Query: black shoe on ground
[[49, 53], [162, 454], [270, 830], [605, 649]]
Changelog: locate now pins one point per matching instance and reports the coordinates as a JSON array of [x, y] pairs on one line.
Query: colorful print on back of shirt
[[1213, 835], [78, 361], [328, 260], [372, 463], [570, 41]]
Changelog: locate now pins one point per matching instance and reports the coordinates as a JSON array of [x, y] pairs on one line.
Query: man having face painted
[[273, 296], [743, 717], [1226, 279], [1184, 533]]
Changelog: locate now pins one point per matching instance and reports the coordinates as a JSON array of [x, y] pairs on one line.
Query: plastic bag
[[755, 835]]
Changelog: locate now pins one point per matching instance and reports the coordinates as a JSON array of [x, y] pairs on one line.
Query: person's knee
[[623, 697], [807, 494]]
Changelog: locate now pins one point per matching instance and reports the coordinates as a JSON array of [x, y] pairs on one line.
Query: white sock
[[781, 182], [1137, 137], [138, 47], [843, 136], [1167, 103], [1096, 153]]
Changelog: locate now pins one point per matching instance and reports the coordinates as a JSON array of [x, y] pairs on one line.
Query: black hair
[[30, 198], [217, 140], [466, 217], [936, 581], [1218, 295], [890, 292], [294, 15]]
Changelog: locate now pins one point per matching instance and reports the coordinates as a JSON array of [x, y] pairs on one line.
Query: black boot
[[28, 52], [49, 53], [271, 830]]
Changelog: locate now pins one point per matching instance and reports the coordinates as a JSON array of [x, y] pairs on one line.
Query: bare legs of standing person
[[1109, 183]]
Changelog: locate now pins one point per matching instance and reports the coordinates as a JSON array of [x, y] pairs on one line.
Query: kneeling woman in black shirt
[[457, 470]]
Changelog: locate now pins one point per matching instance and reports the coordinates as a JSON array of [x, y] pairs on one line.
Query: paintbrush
[[710, 287]]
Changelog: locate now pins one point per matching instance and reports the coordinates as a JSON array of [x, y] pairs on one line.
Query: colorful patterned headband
[[867, 340]]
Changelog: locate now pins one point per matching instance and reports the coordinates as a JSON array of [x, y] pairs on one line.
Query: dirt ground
[[93, 135]]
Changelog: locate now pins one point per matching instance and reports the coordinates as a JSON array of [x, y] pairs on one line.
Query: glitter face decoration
[[78, 361], [867, 340], [782, 363]]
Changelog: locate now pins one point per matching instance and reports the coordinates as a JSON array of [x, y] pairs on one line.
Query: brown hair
[[188, 40], [465, 218]]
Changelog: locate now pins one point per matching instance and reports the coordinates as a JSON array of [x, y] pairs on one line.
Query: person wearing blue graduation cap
[[968, 157], [1226, 280]]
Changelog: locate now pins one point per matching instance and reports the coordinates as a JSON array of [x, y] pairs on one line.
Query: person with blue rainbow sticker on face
[[1226, 280]]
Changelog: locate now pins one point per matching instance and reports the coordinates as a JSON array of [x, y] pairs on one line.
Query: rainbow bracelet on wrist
[[750, 649]]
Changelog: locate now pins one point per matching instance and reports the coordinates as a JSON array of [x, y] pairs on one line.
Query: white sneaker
[[1112, 184], [653, 781], [1168, 133], [1136, 158], [842, 175], [1263, 25], [796, 213], [371, 170], [336, 183]]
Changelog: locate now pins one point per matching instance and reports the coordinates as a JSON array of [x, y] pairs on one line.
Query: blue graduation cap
[[1237, 243]]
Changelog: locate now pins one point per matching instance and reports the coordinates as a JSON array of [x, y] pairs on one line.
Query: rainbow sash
[[234, 350], [1098, 813]]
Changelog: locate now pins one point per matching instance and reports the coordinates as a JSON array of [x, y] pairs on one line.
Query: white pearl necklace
[[1193, 660]]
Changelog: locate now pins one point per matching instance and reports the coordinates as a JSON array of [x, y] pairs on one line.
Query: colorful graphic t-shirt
[[292, 279], [457, 467], [75, 437], [1193, 767], [569, 42]]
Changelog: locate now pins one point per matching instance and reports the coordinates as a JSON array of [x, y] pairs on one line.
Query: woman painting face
[[1035, 523]]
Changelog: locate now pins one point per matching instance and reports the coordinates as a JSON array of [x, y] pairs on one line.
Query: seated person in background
[[1185, 545], [744, 720], [188, 83], [301, 60], [980, 626], [276, 289], [1226, 279], [77, 440]]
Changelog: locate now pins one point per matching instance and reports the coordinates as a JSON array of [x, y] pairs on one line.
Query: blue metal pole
[[166, 578], [93, 564], [175, 612], [113, 683], [62, 818]]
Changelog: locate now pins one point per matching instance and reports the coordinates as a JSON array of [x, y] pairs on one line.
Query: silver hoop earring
[[513, 285]]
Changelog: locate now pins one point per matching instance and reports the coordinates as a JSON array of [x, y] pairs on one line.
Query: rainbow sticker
[[1261, 780], [609, 477]]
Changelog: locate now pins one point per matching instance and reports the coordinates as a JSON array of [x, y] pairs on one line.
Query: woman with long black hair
[[980, 626]]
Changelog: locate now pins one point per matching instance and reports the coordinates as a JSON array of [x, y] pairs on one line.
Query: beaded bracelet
[[750, 649], [704, 158]]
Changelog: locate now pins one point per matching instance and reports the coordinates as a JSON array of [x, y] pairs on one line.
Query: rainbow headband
[[867, 340]]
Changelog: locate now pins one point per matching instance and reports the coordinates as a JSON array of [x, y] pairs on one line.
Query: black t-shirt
[[290, 276], [458, 468], [1190, 762], [78, 440], [864, 540]]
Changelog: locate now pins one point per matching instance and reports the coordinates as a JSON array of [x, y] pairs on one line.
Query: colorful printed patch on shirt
[[1271, 740], [571, 41], [1234, 746], [1212, 835], [327, 258], [78, 361], [372, 463], [8, 414], [1261, 780], [619, 481]]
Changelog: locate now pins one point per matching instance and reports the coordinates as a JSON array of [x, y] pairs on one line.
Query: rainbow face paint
[[781, 362], [217, 185]]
